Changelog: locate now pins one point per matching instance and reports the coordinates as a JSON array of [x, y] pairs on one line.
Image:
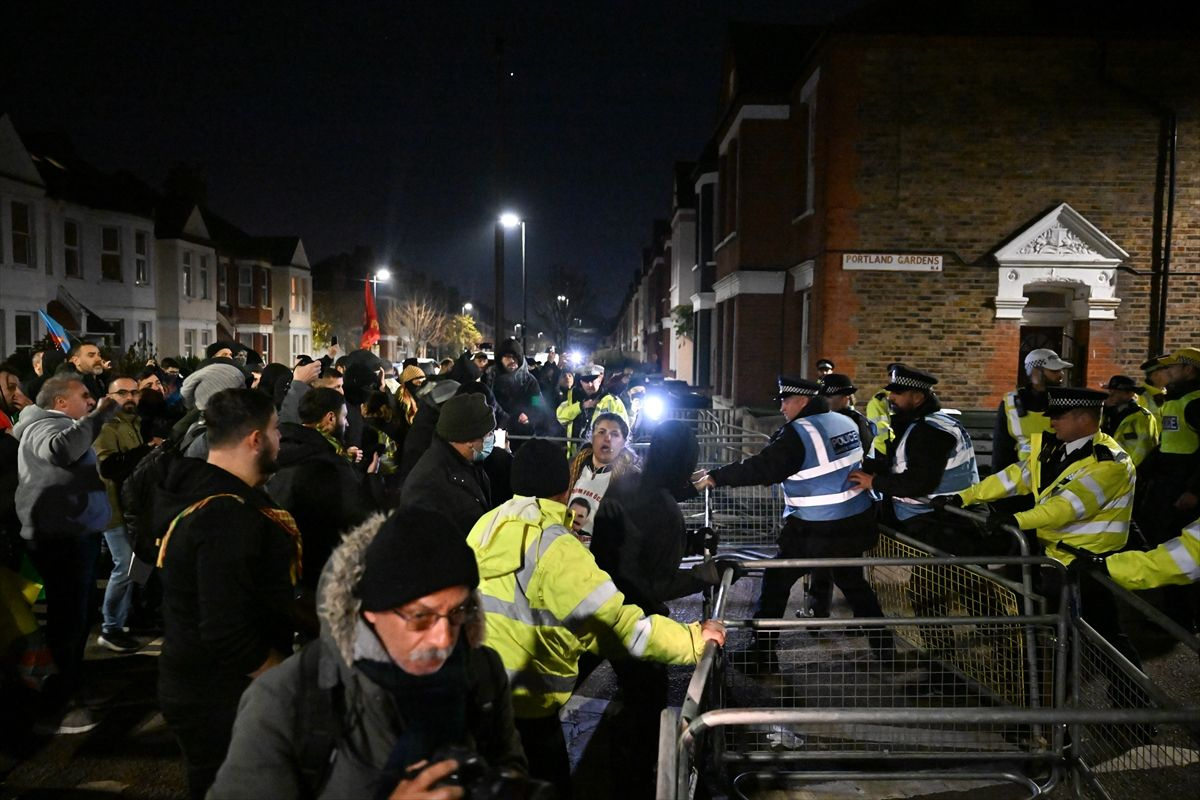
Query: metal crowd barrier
[[990, 684]]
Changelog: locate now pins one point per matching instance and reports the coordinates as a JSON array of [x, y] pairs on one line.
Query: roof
[[68, 177]]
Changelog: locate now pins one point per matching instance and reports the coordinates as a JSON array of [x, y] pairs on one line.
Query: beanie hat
[[222, 344], [411, 374], [511, 347], [205, 382], [464, 418], [540, 470], [415, 553]]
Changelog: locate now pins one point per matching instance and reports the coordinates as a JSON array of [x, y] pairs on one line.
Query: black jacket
[[444, 481], [323, 492], [226, 577], [928, 450]]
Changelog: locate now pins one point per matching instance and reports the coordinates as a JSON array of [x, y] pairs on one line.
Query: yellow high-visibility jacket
[[1023, 426], [1137, 434], [1173, 562], [879, 414], [1088, 506], [546, 602]]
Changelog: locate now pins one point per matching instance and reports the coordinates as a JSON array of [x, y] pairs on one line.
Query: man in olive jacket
[[398, 674]]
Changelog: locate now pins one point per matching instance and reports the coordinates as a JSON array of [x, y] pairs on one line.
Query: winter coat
[[226, 572], [119, 448], [59, 490], [444, 481], [322, 491], [263, 758]]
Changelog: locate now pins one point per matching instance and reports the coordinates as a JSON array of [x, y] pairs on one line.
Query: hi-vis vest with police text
[[820, 490], [1137, 433], [961, 470], [1178, 437], [1023, 424]]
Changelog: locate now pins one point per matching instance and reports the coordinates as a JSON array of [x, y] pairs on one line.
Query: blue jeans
[[118, 596]]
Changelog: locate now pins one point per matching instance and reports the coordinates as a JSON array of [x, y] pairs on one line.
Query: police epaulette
[[1019, 404], [881, 395], [1101, 453]]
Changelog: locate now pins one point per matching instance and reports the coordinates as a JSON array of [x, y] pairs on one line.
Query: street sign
[[892, 262]]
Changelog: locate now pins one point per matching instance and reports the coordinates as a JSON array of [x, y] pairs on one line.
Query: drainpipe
[[1163, 218]]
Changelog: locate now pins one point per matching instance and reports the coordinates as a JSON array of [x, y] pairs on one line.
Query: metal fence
[[990, 684]]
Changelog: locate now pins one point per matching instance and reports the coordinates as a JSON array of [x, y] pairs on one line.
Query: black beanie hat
[[417, 552], [464, 418], [540, 470]]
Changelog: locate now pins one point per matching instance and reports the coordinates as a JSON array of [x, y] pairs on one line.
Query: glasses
[[424, 620], [126, 392]]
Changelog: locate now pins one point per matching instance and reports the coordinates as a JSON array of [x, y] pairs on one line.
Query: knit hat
[[411, 374], [415, 553], [539, 469], [464, 418], [205, 382]]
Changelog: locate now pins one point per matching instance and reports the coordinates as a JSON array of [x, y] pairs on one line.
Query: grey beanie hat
[[205, 382], [464, 418]]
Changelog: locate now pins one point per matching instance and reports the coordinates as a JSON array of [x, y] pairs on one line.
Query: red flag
[[370, 320]]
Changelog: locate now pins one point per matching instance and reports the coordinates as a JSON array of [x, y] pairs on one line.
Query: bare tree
[[420, 318], [560, 300]]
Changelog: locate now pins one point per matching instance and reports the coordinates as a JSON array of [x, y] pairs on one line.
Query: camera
[[480, 781]]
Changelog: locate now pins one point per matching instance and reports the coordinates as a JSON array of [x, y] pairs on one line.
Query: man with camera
[[398, 679]]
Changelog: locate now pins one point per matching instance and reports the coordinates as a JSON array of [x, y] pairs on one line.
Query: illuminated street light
[[509, 220], [466, 308]]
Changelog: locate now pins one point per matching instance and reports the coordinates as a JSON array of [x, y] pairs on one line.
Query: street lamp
[[509, 220], [466, 308], [380, 275]]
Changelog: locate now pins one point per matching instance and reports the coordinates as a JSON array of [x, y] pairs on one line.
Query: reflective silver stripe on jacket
[[1183, 557]]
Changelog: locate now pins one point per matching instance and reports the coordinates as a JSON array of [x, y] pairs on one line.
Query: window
[[304, 294], [24, 332], [266, 351], [110, 254], [295, 306], [71, 249], [22, 234], [205, 339], [222, 284], [245, 286], [118, 337], [295, 345], [145, 335], [141, 258], [264, 288], [189, 343], [188, 289], [204, 277]]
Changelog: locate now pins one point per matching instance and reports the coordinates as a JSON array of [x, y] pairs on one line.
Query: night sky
[[376, 123]]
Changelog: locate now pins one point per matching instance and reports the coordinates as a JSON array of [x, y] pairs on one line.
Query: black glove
[[943, 500], [996, 523], [1088, 562], [711, 571]]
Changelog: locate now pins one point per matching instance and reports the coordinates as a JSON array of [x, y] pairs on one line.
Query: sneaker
[[73, 720], [119, 642]]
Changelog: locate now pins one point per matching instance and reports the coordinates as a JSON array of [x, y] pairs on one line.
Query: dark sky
[[376, 123]]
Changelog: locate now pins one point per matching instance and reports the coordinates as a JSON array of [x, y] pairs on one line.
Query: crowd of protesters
[[246, 511]]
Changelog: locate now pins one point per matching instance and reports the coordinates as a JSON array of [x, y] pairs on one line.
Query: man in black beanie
[[449, 477], [398, 674], [550, 603]]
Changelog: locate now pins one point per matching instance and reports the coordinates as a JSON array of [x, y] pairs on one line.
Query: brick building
[[950, 194]]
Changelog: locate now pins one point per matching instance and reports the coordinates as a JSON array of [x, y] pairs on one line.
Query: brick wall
[[955, 146]]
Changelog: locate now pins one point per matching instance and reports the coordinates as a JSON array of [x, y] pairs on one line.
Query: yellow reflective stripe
[[1183, 558]]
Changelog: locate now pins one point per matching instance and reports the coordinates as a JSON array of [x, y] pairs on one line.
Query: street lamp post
[[565, 330], [510, 220], [466, 308], [380, 275]]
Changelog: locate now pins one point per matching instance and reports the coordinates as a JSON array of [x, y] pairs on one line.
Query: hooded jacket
[[59, 490], [226, 576], [263, 757], [547, 602], [517, 392], [321, 490]]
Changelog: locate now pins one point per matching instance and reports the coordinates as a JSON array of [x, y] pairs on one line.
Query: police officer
[[825, 515], [1082, 484], [1133, 425], [931, 455], [1022, 412]]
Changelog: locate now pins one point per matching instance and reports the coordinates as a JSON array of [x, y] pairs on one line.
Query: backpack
[[139, 491]]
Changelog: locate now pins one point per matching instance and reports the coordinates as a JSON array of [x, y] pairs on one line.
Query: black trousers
[[843, 538], [68, 570], [202, 722], [546, 749]]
